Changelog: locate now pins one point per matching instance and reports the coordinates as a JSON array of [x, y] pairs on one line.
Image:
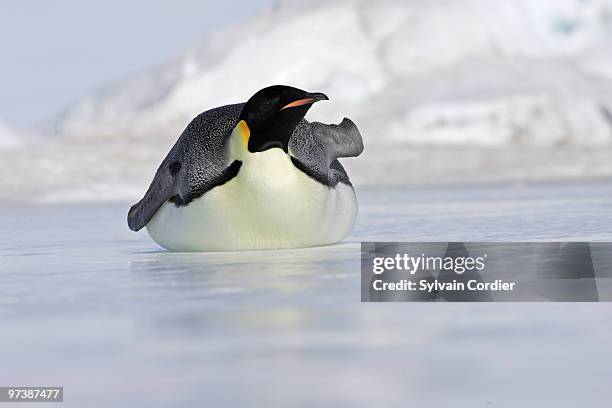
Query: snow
[[8, 138], [522, 81], [360, 51]]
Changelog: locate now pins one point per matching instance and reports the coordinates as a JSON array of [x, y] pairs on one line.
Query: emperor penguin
[[253, 176]]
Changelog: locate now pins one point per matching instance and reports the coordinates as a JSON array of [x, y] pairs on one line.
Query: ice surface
[[89, 305]]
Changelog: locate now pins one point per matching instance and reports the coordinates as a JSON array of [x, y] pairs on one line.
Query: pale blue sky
[[52, 52]]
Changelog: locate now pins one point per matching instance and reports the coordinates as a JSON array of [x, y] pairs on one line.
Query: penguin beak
[[279, 131], [308, 100]]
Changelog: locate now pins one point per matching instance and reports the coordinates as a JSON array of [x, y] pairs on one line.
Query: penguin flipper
[[162, 189], [196, 163], [342, 140], [315, 148]]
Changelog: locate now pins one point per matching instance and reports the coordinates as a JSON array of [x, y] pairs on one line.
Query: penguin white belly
[[270, 204]]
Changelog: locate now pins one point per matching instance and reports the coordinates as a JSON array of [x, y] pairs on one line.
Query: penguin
[[253, 176]]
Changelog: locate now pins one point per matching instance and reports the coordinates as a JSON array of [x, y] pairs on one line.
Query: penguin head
[[272, 114]]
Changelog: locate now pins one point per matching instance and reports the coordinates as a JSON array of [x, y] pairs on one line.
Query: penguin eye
[[268, 106]]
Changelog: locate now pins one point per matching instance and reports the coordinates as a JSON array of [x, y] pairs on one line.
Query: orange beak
[[312, 98]]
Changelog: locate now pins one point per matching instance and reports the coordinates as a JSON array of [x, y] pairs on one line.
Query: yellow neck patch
[[244, 131]]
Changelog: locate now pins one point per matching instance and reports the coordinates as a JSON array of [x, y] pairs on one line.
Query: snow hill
[[480, 72], [8, 138], [445, 90]]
